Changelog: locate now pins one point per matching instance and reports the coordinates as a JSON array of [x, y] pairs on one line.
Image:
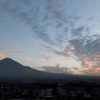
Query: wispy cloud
[[28, 59], [25, 58], [77, 31], [4, 48], [18, 48], [45, 57], [52, 7], [41, 17]]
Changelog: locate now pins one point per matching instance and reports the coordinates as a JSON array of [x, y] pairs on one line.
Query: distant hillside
[[11, 70]]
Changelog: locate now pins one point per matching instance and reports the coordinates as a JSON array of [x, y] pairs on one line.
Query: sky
[[60, 36]]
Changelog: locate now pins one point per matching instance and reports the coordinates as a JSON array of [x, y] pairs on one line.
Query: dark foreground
[[49, 91]]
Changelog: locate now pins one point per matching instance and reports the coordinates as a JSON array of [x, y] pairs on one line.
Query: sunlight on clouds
[[74, 56], [92, 63], [97, 70]]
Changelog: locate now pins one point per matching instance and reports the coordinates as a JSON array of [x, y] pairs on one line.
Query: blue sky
[[52, 35]]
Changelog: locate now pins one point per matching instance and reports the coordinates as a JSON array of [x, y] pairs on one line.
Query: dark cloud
[[63, 54], [59, 38], [56, 69], [75, 68], [77, 31], [90, 18], [59, 25], [60, 53], [88, 29], [44, 36], [77, 43], [77, 17], [45, 46]]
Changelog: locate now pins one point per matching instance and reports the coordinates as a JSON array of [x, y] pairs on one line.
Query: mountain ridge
[[14, 71]]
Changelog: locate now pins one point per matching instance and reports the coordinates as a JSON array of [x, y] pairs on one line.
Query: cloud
[[90, 18], [2, 55], [60, 53], [60, 39], [93, 71], [18, 48], [51, 19], [56, 69], [45, 57], [75, 68], [45, 46], [26, 58], [29, 13], [88, 29], [77, 18], [4, 48], [44, 36], [42, 18], [77, 31], [67, 52], [52, 7], [87, 50]]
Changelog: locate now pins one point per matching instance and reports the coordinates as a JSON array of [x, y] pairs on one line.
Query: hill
[[11, 70]]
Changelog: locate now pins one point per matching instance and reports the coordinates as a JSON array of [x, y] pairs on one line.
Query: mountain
[[11, 70]]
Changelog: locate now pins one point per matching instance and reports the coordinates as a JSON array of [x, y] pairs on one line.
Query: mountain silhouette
[[11, 70]]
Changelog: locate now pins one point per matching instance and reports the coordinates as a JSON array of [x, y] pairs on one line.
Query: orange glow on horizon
[[2, 56], [96, 70]]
